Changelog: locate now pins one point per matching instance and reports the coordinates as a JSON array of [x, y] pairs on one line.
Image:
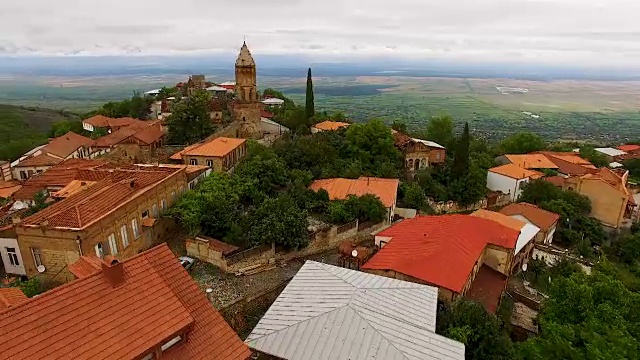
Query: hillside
[[22, 128]]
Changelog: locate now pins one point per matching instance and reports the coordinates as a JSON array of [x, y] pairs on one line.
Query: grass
[[23, 128]]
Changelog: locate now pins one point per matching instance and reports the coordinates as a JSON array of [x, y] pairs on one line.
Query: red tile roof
[[555, 180], [116, 190], [217, 245], [339, 189], [65, 145], [10, 297], [8, 188], [541, 218], [59, 176], [217, 147], [515, 172], [331, 125], [487, 288], [266, 114], [531, 161], [90, 319], [108, 122], [39, 161], [85, 266], [440, 250], [629, 148], [569, 163], [151, 134], [147, 132], [501, 219]]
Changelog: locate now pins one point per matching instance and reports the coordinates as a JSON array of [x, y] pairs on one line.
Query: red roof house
[[145, 305], [445, 251]]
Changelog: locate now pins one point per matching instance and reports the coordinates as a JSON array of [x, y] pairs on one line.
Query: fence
[[239, 256], [347, 227], [365, 225]]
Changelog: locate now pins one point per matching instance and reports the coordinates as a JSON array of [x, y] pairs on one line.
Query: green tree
[[413, 195], [278, 221], [596, 158], [310, 106], [373, 146], [470, 188], [432, 188], [190, 121], [633, 165], [60, 128], [522, 143], [40, 202], [440, 130], [399, 125], [461, 157], [468, 321]]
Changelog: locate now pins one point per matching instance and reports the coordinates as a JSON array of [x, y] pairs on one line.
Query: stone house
[[40, 159], [462, 255], [144, 137], [108, 123], [418, 154], [118, 215], [222, 154]]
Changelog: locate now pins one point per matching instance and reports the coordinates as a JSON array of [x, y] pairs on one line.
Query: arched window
[[423, 163], [417, 165], [410, 164]]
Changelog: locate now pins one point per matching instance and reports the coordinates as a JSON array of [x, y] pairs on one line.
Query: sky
[[585, 32]]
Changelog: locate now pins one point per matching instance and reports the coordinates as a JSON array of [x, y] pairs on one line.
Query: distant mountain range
[[296, 65]]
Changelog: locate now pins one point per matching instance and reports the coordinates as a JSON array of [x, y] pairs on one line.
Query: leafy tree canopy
[[522, 143], [190, 121], [596, 158]]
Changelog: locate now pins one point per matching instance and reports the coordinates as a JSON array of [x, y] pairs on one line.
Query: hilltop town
[[212, 220]]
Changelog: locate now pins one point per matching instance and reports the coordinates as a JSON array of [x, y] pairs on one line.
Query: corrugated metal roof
[[328, 312]]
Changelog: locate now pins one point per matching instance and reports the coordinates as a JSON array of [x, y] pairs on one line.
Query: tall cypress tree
[[310, 107], [461, 159]]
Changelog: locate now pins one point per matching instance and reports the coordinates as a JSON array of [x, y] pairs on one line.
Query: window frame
[[210, 163], [99, 250], [113, 244], [163, 204], [124, 236], [154, 210], [37, 256], [13, 260], [193, 161], [135, 228]]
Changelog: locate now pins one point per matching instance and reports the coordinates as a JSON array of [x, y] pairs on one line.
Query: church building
[[246, 107]]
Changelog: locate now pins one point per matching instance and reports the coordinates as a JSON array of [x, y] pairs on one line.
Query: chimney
[[113, 271]]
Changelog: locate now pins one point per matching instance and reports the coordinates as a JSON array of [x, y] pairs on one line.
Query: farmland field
[[600, 110]]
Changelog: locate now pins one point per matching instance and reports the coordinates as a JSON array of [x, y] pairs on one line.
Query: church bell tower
[[247, 105]]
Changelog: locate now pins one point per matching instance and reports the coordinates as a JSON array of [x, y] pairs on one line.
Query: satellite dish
[[354, 253], [41, 268], [524, 267]]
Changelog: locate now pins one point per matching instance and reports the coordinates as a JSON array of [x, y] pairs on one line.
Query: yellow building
[[221, 154], [611, 201]]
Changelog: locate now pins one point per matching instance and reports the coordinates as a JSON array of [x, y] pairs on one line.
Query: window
[[191, 186], [154, 210], [124, 236], [173, 196], [438, 155], [23, 175], [170, 343], [135, 228], [193, 161], [163, 204], [99, 251], [210, 163], [145, 214], [113, 245], [13, 256], [37, 256]]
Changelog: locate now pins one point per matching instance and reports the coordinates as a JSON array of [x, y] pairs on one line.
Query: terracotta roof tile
[[108, 122], [8, 188], [531, 161], [39, 160], [541, 218], [151, 134], [502, 219], [85, 266], [218, 245], [515, 172], [339, 188], [266, 114], [330, 125], [90, 319], [555, 180], [65, 145], [440, 250], [10, 297], [58, 176], [83, 208], [629, 148], [148, 222], [73, 187], [217, 147]]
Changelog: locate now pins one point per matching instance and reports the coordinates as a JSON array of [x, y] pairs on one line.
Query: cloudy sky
[[594, 32]]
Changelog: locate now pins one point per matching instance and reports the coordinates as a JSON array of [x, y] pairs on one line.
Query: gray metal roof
[[328, 312]]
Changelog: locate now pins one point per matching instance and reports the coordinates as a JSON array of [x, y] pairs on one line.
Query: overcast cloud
[[597, 32]]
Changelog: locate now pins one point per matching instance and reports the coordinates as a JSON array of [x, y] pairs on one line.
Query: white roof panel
[[273, 101], [527, 233], [610, 151], [329, 312], [429, 143], [615, 164], [216, 88]]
